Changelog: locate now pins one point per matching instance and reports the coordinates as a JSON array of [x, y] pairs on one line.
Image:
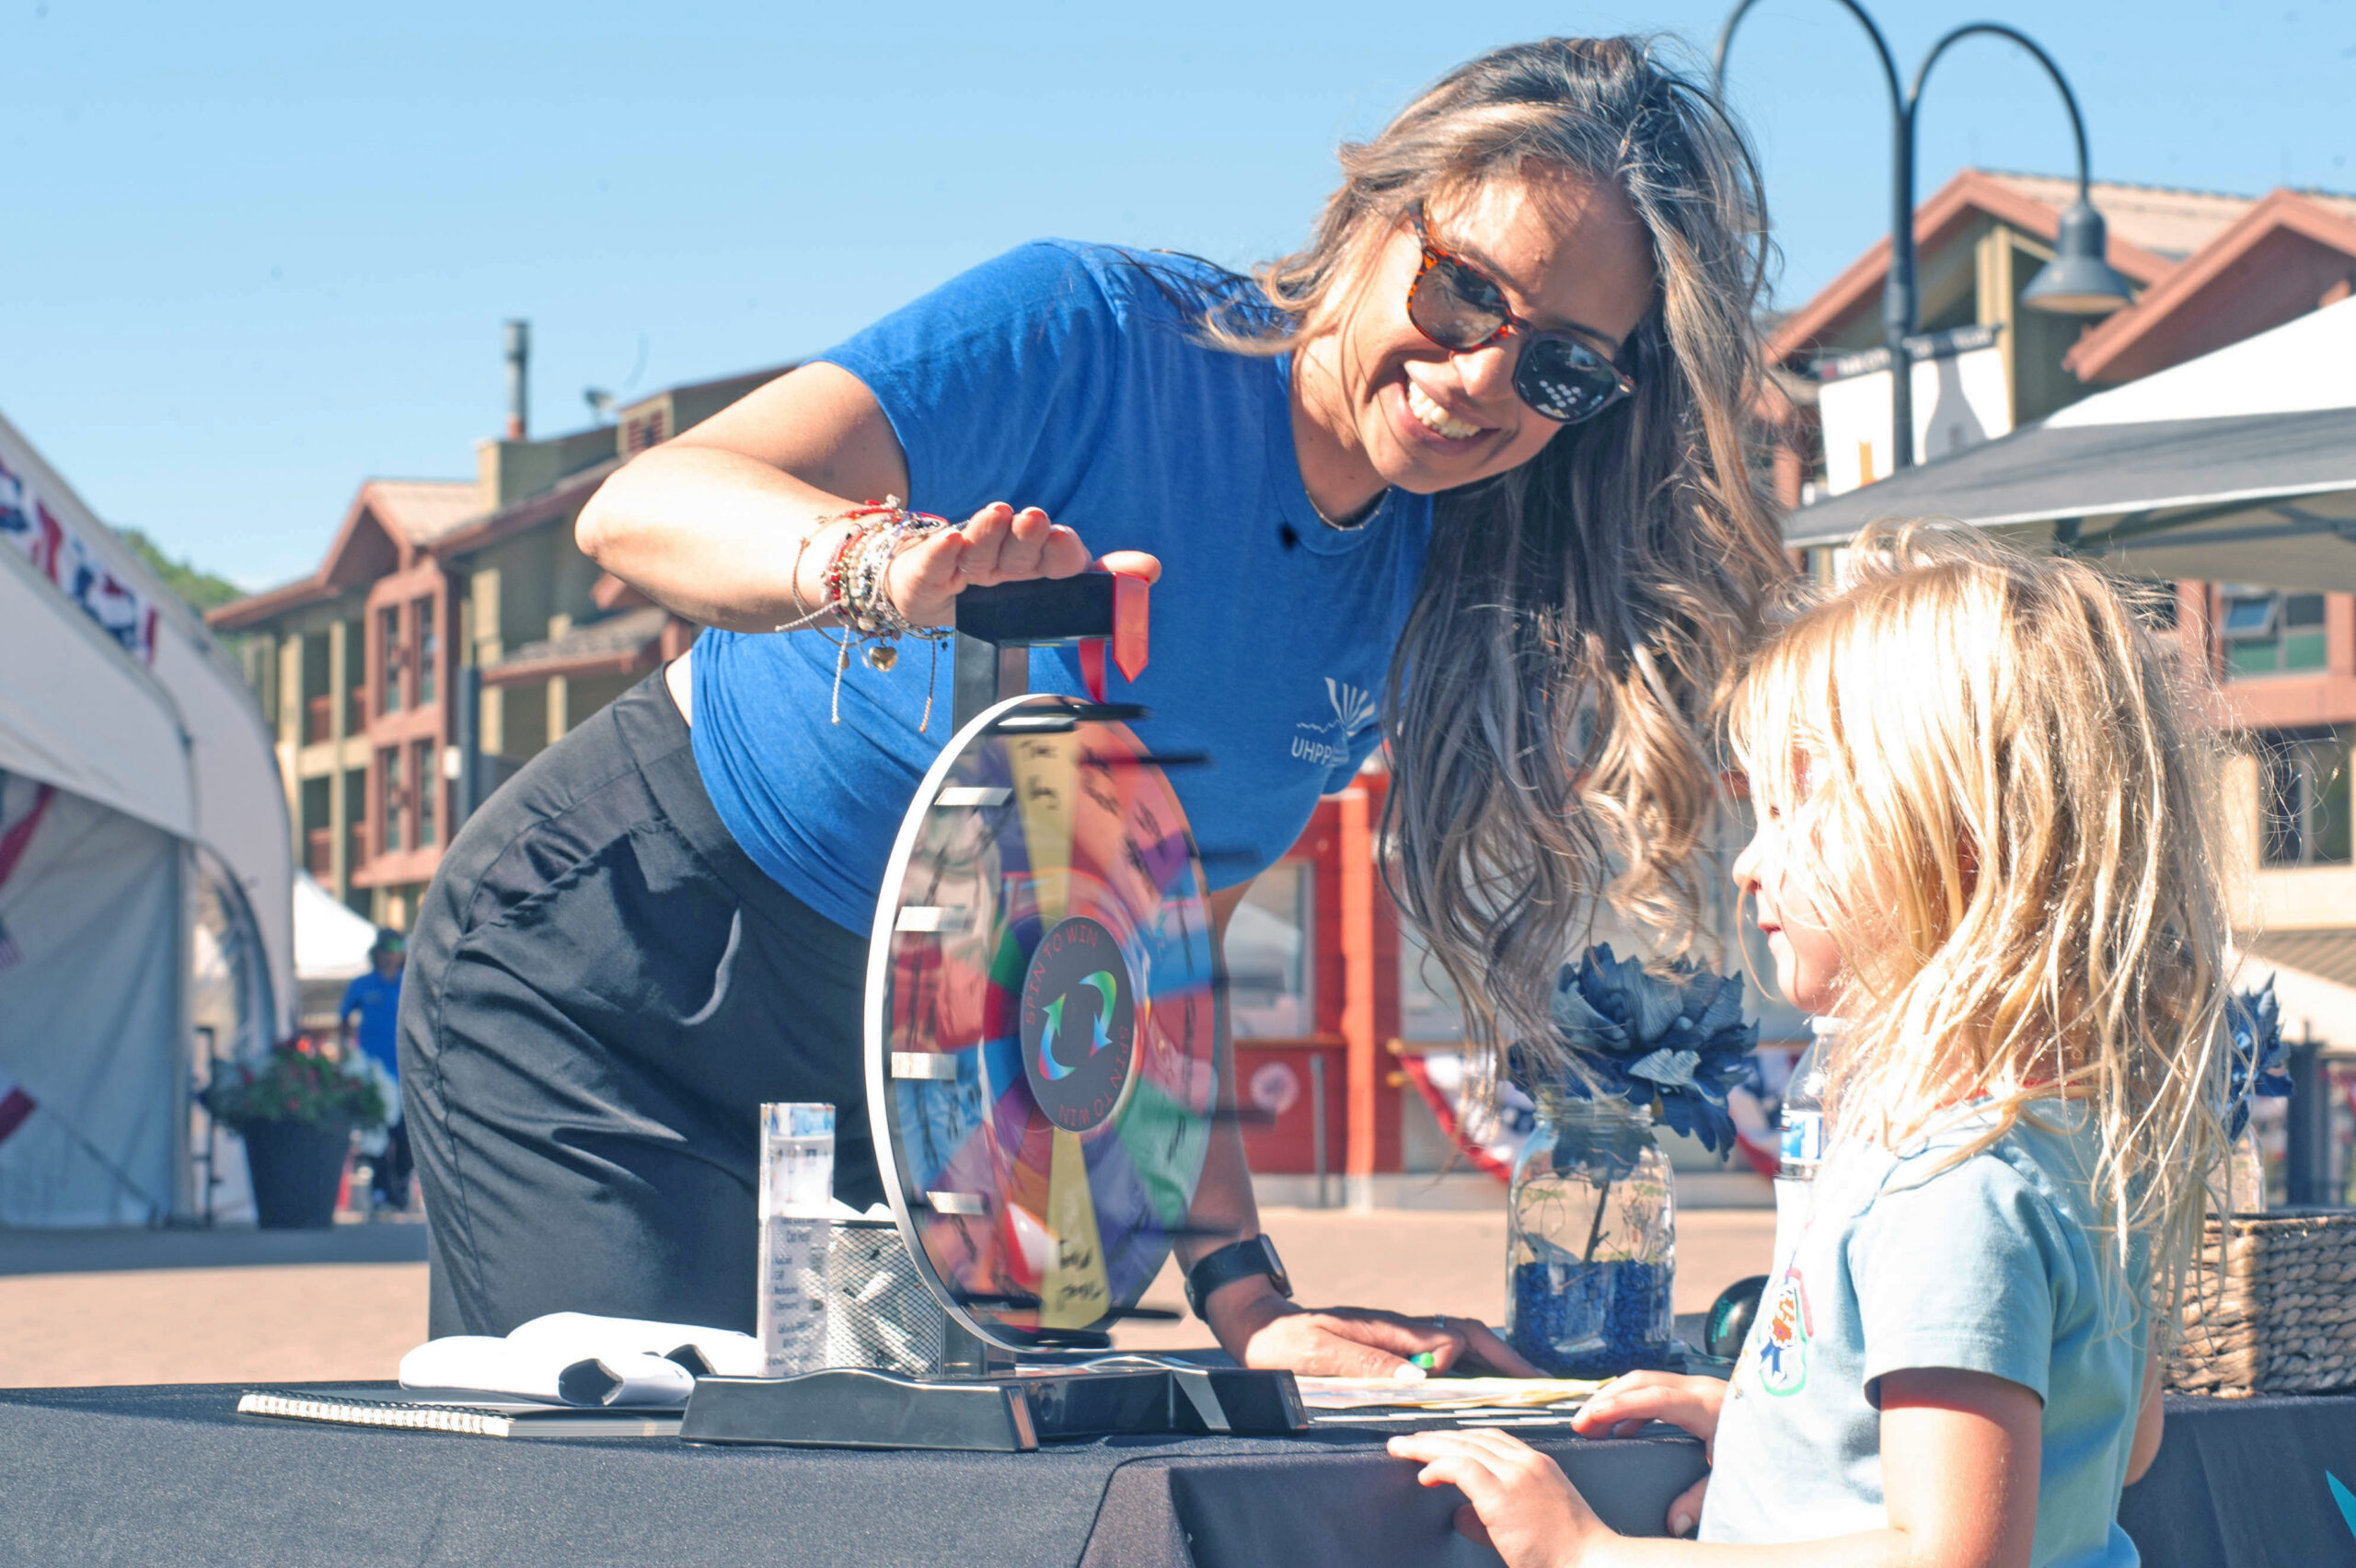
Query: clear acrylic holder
[[797, 1177]]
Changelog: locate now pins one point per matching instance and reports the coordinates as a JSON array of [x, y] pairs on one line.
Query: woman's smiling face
[[1380, 404]]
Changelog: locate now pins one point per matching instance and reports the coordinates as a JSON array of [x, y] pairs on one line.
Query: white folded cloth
[[578, 1358]]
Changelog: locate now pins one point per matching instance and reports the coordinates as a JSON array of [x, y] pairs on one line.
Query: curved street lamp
[[2078, 281]]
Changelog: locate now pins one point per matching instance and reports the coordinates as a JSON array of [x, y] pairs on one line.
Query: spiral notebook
[[468, 1412]]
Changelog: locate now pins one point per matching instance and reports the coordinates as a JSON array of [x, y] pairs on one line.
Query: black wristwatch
[[1255, 1256]]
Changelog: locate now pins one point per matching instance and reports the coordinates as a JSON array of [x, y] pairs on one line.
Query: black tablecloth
[[2240, 1484], [170, 1474]]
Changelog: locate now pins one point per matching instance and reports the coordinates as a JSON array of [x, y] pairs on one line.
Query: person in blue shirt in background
[[1468, 477], [374, 1000]]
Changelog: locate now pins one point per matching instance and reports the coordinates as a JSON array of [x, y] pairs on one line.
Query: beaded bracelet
[[854, 589]]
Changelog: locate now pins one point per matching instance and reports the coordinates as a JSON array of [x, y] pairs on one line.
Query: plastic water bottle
[[797, 1185], [1803, 1138], [1802, 1120]]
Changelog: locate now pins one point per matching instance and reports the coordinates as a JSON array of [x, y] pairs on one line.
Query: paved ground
[[176, 1307]]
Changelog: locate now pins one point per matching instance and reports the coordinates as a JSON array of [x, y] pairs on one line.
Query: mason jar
[[1591, 1242]]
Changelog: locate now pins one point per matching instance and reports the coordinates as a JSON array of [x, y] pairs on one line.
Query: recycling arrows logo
[[1051, 1039]]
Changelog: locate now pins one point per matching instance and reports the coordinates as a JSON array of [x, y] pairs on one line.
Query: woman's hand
[[1625, 1405], [1260, 1328], [998, 544], [1523, 1506]]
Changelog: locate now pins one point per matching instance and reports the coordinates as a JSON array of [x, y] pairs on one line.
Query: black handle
[[1045, 609], [1104, 612]]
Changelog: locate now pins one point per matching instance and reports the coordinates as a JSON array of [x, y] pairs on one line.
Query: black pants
[[601, 991]]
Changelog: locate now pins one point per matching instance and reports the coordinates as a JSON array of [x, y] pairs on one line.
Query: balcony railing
[[318, 852]]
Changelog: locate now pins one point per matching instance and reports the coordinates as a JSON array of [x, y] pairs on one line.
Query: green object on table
[[1427, 1359]]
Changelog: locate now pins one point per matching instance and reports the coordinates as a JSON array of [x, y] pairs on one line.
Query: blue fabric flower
[[2254, 1024], [1674, 1042]]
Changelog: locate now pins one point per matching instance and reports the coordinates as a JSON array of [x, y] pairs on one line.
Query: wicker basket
[[2278, 1314]]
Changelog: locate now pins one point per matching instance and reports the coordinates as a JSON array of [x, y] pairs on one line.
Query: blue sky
[[257, 253]]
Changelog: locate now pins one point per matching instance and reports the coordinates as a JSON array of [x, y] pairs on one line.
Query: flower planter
[[298, 1167]]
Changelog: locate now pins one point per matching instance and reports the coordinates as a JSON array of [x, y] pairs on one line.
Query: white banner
[[1960, 401], [78, 572]]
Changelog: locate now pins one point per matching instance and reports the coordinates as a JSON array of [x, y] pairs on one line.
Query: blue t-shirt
[[378, 1002], [1987, 1267], [1066, 376]]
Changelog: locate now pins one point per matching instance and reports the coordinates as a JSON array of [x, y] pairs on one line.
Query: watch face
[[1041, 1021]]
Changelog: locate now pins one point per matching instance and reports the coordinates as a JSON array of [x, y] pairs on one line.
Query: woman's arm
[[1959, 1455], [1260, 1328], [713, 524], [2149, 1416]]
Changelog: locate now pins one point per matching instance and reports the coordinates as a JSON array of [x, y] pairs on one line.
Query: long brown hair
[[1550, 703]]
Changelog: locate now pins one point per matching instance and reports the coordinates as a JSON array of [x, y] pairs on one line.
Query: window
[[428, 793], [388, 639], [388, 815], [1272, 955], [2303, 787], [2267, 633], [429, 652], [2152, 600]]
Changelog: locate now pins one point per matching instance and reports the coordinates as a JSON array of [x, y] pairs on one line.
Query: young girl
[[1986, 823]]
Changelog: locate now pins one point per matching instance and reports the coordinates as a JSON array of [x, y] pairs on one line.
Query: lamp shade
[[2078, 281]]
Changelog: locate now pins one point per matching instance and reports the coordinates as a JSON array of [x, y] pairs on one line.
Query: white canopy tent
[[2237, 467], [145, 866], [333, 946]]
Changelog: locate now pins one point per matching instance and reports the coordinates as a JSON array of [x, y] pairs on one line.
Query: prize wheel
[[1040, 1020]]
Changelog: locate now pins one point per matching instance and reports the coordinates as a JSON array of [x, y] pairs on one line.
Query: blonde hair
[[2023, 835], [1579, 617]]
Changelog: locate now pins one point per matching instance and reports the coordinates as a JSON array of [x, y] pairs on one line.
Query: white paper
[[1443, 1394], [724, 1350], [579, 1358], [556, 1374]]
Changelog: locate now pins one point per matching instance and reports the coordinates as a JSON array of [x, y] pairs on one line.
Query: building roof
[[2328, 953], [2158, 218], [424, 510], [2184, 250], [445, 517], [383, 515], [568, 494], [2278, 259], [618, 642], [2031, 203]]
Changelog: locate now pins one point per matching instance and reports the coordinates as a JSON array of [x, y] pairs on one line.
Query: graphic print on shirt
[[1782, 1345], [1328, 744]]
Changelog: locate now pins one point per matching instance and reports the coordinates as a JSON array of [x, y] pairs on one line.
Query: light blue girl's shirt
[[1993, 1265]]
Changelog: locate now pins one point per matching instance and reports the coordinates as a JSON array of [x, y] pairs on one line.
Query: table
[[2241, 1484], [170, 1474], [152, 1475]]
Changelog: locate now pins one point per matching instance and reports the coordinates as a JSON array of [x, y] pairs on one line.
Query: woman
[[1479, 447]]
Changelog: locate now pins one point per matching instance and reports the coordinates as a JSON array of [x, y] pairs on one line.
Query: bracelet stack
[[856, 594]]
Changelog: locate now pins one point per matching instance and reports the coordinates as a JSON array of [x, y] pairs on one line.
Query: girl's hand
[[1622, 1407], [998, 544], [1523, 1506]]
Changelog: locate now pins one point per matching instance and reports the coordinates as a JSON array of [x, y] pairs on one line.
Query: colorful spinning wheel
[[1041, 1017]]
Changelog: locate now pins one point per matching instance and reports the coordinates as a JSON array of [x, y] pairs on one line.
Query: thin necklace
[[1342, 526]]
